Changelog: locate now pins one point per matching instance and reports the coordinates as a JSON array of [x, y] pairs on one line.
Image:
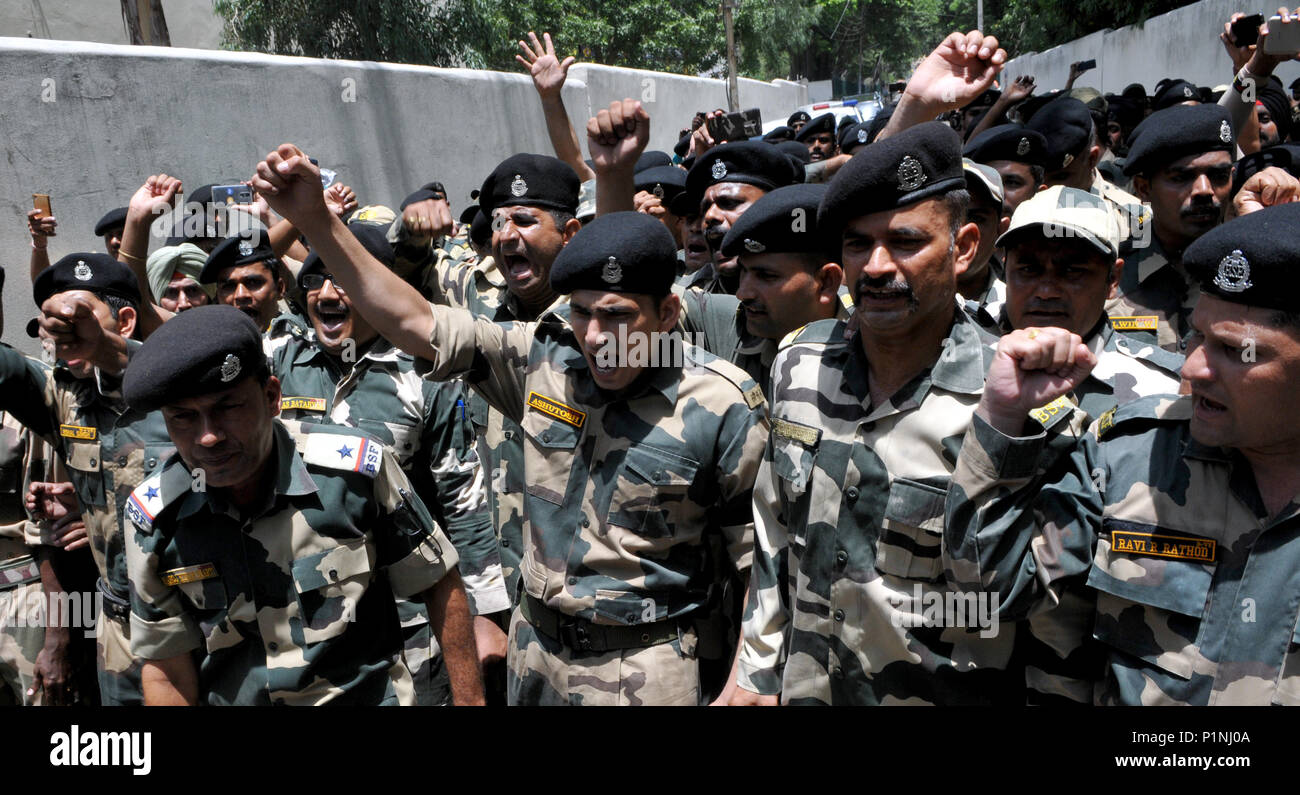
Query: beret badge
[[245, 248], [612, 272], [1225, 132], [658, 191], [862, 136], [518, 187], [1022, 148], [910, 173], [229, 368], [82, 271], [754, 246], [1234, 273], [719, 169]]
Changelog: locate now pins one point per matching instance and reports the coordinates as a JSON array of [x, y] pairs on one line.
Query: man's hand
[[617, 137], [54, 675], [1017, 90], [291, 185], [740, 697], [548, 71], [50, 501], [646, 202], [71, 324], [152, 198], [1240, 55], [69, 533], [259, 209], [1261, 63], [490, 640], [40, 227], [958, 71], [1032, 367], [701, 140], [429, 219], [340, 199], [1265, 189]]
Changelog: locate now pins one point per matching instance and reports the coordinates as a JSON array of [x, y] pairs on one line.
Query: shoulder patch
[[156, 492], [1045, 414], [341, 452], [1156, 408], [754, 396], [828, 331], [749, 389]]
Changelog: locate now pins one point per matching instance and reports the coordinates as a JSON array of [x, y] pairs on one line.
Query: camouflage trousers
[[119, 670], [541, 671], [21, 639], [421, 655]]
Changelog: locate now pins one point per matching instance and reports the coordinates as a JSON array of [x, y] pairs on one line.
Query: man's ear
[[126, 320], [571, 228], [829, 278], [1094, 156], [1004, 223], [1142, 187], [272, 393], [967, 243], [1115, 274], [670, 308]]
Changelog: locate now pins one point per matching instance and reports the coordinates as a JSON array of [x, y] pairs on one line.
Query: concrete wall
[[190, 23], [118, 114], [1182, 43]]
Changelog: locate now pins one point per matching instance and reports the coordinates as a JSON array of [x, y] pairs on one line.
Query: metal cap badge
[[1225, 132], [82, 271], [229, 368], [719, 169], [1234, 273], [910, 173], [1022, 148], [518, 187], [612, 272]]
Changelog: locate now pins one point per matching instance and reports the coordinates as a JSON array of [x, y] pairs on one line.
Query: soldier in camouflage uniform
[[849, 501], [630, 469], [981, 287], [1181, 162], [276, 554], [1178, 515], [349, 375], [21, 639], [89, 304]]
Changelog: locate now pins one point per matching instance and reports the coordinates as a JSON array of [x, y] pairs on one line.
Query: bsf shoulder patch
[[79, 432], [1162, 545], [203, 571], [350, 453], [556, 410], [799, 432], [302, 404], [1044, 414], [145, 502], [1135, 322]]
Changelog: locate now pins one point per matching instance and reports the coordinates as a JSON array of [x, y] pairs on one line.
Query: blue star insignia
[[151, 493], [345, 452]]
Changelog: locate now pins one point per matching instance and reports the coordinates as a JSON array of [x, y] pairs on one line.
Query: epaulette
[[159, 490], [1143, 411], [822, 332], [1149, 352], [340, 451], [747, 386], [1053, 412]]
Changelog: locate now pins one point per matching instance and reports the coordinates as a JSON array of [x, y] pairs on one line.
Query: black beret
[[1136, 92], [95, 273], [749, 162], [824, 123], [1249, 165], [664, 182], [918, 163], [652, 159], [878, 124], [1251, 259], [429, 190], [855, 135], [779, 134], [683, 145], [245, 249], [207, 349], [784, 220], [795, 150], [798, 116], [1175, 132], [623, 252], [683, 204], [468, 214], [1294, 84], [531, 181], [1123, 110], [371, 237], [1175, 92], [480, 231], [1066, 125], [111, 219], [986, 97], [1013, 142]]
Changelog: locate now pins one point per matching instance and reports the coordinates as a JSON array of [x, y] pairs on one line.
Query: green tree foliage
[[1037, 25]]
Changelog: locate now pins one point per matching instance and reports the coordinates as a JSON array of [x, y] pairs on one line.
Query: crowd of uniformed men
[[985, 400]]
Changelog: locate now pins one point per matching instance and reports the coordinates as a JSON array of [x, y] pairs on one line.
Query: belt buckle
[[575, 635]]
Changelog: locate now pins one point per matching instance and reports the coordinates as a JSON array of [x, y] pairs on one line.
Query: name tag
[[793, 430], [302, 404], [1135, 322], [554, 408], [79, 432], [203, 571], [1201, 550]]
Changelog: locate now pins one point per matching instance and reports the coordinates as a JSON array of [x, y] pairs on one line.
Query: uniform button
[[153, 462], [839, 615], [841, 557], [546, 436], [121, 460], [573, 581], [852, 493], [586, 522], [334, 574], [659, 476], [630, 618], [505, 543], [92, 462], [272, 645], [509, 435], [839, 673]]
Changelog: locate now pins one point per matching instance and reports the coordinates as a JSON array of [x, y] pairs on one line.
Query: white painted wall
[[190, 23]]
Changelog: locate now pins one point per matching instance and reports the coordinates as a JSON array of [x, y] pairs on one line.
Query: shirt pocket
[[909, 544], [651, 494], [329, 586], [554, 442], [793, 464], [210, 602], [406, 440], [1149, 606], [84, 459]]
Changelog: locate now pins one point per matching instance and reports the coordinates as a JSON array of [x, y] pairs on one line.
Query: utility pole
[[979, 15], [733, 86]]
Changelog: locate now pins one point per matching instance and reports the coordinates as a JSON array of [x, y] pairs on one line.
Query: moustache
[[1202, 208], [891, 286]]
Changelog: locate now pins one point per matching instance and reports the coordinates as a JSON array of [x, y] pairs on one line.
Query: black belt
[[580, 634], [115, 607]]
